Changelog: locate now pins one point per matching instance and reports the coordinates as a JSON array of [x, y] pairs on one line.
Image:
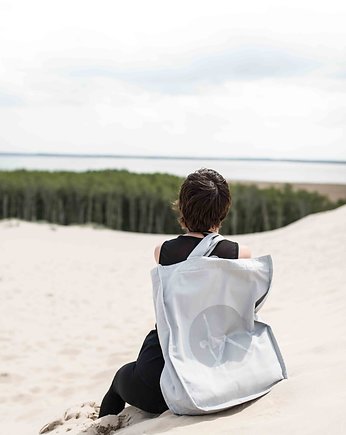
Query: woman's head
[[204, 201]]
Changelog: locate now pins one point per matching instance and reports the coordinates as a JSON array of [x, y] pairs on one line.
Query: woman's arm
[[244, 252], [157, 253]]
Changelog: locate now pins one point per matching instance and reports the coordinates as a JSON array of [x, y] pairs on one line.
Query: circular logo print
[[218, 335]]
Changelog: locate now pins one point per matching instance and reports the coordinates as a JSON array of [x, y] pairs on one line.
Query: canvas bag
[[218, 353]]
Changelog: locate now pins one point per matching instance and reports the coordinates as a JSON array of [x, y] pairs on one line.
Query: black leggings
[[128, 387]]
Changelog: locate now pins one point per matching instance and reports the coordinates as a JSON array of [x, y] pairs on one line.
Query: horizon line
[[159, 157]]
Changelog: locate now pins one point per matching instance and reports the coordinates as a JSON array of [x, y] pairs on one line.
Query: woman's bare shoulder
[[243, 250], [157, 251]]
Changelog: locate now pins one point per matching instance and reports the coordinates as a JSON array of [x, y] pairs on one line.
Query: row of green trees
[[126, 201]]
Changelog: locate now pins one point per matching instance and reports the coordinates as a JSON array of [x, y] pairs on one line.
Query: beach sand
[[76, 304]]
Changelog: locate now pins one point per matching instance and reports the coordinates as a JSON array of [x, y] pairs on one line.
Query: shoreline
[[332, 190], [168, 157]]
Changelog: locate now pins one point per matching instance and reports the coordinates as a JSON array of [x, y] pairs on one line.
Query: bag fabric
[[218, 353]]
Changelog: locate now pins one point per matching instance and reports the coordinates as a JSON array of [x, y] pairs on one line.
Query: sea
[[260, 170]]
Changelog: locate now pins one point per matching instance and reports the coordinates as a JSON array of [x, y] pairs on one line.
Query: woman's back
[[150, 360]]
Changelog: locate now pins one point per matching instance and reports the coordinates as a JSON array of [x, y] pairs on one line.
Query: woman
[[204, 201]]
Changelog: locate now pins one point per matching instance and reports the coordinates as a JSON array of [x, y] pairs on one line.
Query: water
[[271, 171]]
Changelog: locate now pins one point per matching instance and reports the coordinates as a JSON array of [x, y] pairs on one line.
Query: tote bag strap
[[206, 245]]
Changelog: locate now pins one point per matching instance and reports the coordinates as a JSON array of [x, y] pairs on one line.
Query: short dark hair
[[204, 200]]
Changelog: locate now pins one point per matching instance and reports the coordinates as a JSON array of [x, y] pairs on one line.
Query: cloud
[[273, 118], [10, 100], [248, 78], [242, 63]]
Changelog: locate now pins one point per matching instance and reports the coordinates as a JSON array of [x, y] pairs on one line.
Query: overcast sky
[[197, 78]]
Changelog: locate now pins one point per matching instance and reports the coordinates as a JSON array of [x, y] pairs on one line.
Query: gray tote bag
[[217, 351]]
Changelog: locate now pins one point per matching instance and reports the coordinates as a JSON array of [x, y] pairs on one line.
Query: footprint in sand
[[83, 419]]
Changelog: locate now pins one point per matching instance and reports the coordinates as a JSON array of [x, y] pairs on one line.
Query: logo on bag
[[218, 334]]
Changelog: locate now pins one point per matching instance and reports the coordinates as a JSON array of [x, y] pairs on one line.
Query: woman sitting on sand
[[204, 201]]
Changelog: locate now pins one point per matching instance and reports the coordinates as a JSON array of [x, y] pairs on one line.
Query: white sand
[[76, 304]]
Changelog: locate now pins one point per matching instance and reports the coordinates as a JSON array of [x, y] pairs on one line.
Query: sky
[[186, 78]]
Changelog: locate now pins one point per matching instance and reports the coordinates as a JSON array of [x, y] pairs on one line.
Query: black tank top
[[178, 249]]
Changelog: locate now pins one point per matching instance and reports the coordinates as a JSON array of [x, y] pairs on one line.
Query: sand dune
[[76, 304]]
